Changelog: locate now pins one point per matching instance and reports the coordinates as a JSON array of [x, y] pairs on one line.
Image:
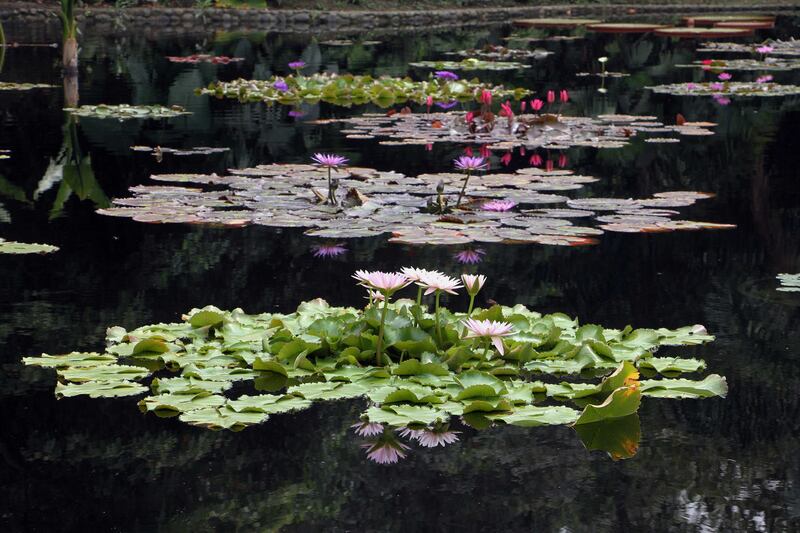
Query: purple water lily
[[470, 256], [329, 250], [716, 86], [499, 205], [725, 76], [297, 65], [468, 164], [281, 86], [446, 75], [330, 161], [447, 105], [764, 79]]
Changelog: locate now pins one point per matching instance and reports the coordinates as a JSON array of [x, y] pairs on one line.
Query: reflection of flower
[[551, 97], [446, 75], [488, 328], [281, 86], [385, 451], [470, 256], [447, 105], [329, 160], [564, 96], [466, 162], [367, 429], [329, 250], [764, 79], [691, 86], [296, 113], [430, 438], [506, 159], [535, 160], [725, 76], [499, 205], [721, 100]]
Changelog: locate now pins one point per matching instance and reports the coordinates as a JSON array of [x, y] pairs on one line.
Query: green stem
[[438, 326], [419, 296], [471, 303], [463, 188], [379, 349]]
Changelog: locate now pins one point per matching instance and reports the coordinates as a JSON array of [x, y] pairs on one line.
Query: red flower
[[486, 97], [536, 104], [548, 166], [470, 117], [551, 97], [468, 151], [505, 110], [564, 96]]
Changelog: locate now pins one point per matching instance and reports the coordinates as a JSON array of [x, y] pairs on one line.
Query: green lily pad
[[710, 386], [11, 247], [100, 389], [126, 112]]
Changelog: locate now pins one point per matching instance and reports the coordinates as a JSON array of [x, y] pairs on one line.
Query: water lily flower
[[725, 76], [374, 296], [491, 329], [468, 151], [536, 104], [506, 159], [473, 283], [415, 274], [385, 452], [429, 147], [386, 282], [505, 110], [367, 429], [281, 86], [468, 164], [522, 151], [447, 105], [764, 49], [486, 97], [435, 282], [603, 59], [721, 100], [297, 65], [329, 250], [446, 75], [429, 102], [764, 79], [551, 97], [564, 96], [691, 86], [330, 161], [562, 161], [469, 117], [716, 86], [535, 160], [707, 61], [470, 256], [485, 152], [522, 106], [499, 205]]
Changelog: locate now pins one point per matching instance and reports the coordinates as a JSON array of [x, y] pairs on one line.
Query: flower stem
[[471, 303], [438, 326], [379, 348], [464, 188], [419, 296], [330, 188]]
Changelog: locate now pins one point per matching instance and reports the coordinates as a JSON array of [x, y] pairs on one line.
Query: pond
[[82, 463]]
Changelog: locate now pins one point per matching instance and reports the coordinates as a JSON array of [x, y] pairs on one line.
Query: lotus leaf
[[100, 389]]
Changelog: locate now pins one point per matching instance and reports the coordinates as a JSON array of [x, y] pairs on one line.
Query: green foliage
[[323, 353]]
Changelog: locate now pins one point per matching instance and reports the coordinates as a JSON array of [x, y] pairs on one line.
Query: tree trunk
[[70, 56]]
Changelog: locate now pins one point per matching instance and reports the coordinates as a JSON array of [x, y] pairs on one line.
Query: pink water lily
[[486, 97], [416, 274], [499, 205], [505, 110], [473, 282], [430, 438], [537, 104], [506, 159], [297, 65], [535, 160], [470, 163], [551, 97], [764, 49], [385, 452], [329, 250], [329, 160], [564, 96], [725, 76], [764, 79], [438, 282], [562, 161], [492, 329], [385, 282]]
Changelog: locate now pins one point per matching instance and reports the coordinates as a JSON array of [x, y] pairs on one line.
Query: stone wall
[[152, 20]]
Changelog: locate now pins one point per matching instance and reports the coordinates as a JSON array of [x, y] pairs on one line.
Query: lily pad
[[126, 112], [566, 22], [624, 27], [11, 247], [703, 33], [789, 282], [470, 64], [9, 86], [737, 88]]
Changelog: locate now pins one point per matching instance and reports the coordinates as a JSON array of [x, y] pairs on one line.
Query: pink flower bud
[[551, 97], [562, 161], [564, 96], [486, 97], [470, 117], [548, 166], [537, 104], [506, 159], [535, 160], [522, 106]]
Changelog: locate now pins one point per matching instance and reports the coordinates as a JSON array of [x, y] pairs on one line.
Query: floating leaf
[[100, 389], [11, 247], [713, 385], [621, 403], [125, 111], [217, 418], [71, 360], [789, 282], [470, 64], [8, 86]]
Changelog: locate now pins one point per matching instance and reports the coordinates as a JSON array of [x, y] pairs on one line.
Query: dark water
[[98, 465]]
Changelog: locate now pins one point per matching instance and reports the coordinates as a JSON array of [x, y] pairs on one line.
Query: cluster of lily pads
[[789, 282], [204, 58], [727, 88], [159, 151], [417, 369], [126, 112], [13, 247], [10, 86], [777, 47], [470, 63], [493, 52], [768, 63], [547, 130], [353, 202], [349, 89]]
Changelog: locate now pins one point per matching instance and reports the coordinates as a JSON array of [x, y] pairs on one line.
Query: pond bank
[[150, 19]]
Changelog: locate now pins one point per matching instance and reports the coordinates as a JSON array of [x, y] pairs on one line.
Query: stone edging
[[187, 20]]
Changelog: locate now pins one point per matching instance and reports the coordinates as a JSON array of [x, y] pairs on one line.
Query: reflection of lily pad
[[554, 22], [624, 27], [11, 247], [125, 111], [8, 86], [470, 64], [703, 32], [619, 437], [348, 42], [737, 88]]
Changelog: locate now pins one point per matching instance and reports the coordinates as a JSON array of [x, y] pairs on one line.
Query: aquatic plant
[[419, 381], [773, 47], [330, 162], [473, 285], [469, 165], [470, 63], [69, 31], [347, 89], [470, 256], [12, 247], [739, 88], [789, 282], [126, 112], [493, 52], [776, 64], [379, 203], [204, 58]]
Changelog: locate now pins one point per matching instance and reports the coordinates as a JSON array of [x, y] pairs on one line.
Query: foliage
[[324, 353], [11, 247], [348, 89], [470, 64], [727, 89], [125, 111]]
